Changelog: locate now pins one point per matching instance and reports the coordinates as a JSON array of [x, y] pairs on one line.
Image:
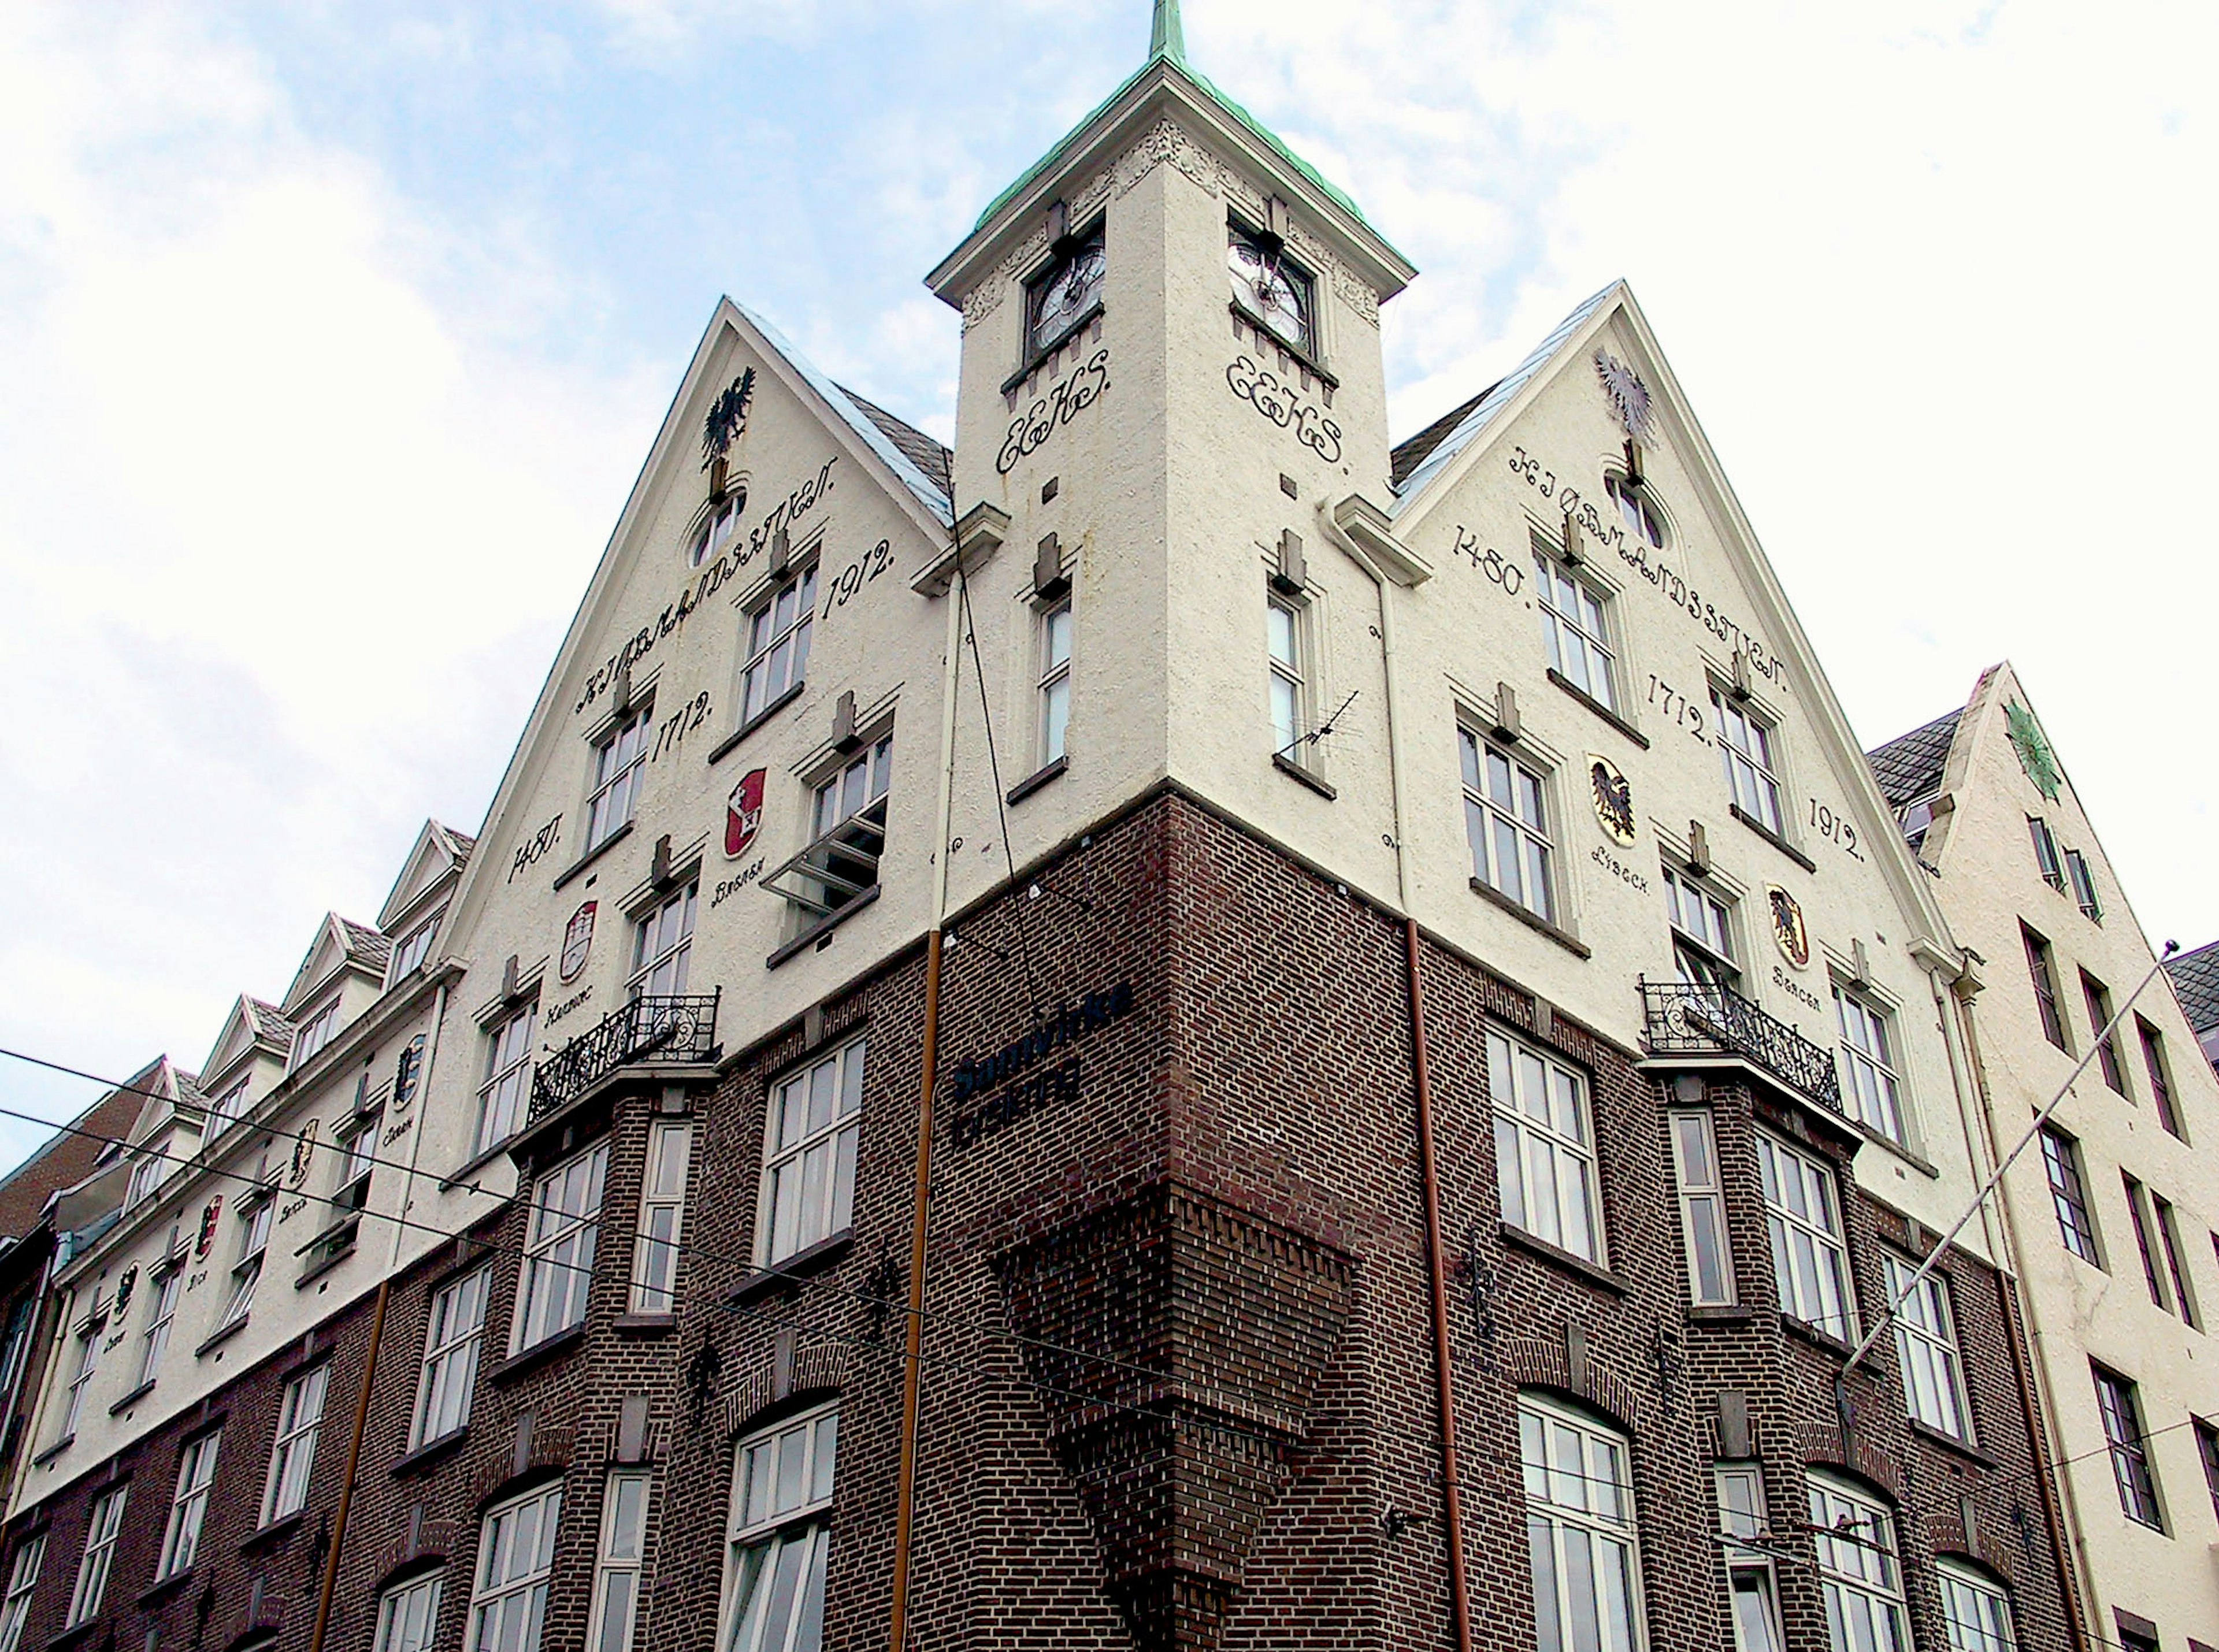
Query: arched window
[[1975, 1610], [1580, 1530], [1638, 510], [1859, 1574], [779, 1531]]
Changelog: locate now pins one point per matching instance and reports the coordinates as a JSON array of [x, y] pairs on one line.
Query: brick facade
[[1178, 1384]]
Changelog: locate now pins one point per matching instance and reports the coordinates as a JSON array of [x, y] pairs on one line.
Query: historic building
[[2196, 980], [1178, 1028], [2107, 1219]]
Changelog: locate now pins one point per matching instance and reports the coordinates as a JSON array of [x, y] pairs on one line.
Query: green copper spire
[[1165, 38]]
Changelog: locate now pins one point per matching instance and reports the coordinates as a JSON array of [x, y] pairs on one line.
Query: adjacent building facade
[[1178, 1028]]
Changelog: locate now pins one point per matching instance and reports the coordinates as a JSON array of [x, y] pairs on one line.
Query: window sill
[[1311, 364], [813, 1258], [1811, 1334], [1771, 837], [133, 1398], [430, 1451], [1039, 778], [1721, 1314], [311, 1275], [1590, 1273], [1564, 938], [1599, 708], [54, 1450], [157, 1592], [1901, 1150], [821, 929], [74, 1635], [222, 1335], [1294, 771], [724, 747], [1943, 1438], [592, 855], [276, 1531], [643, 1324], [1038, 358], [547, 1348], [470, 1166]]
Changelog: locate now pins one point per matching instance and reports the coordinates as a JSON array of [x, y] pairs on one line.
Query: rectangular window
[[2160, 1078], [1054, 680], [2207, 1449], [149, 1172], [1975, 1611], [809, 1159], [558, 1249], [357, 1142], [293, 1454], [1752, 774], [1580, 1532], [2138, 1212], [507, 1085], [1859, 1578], [2168, 1232], [1752, 1588], [778, 642], [2046, 857], [101, 1530], [1507, 823], [1702, 1210], [1287, 679], [22, 1580], [1544, 1158], [616, 1576], [516, 1558], [181, 1540], [662, 948], [2043, 970], [254, 1246], [1867, 1058], [315, 1032], [413, 948], [408, 1615], [846, 837], [225, 1109], [2084, 884], [2068, 1194], [1810, 1260], [782, 1483], [1574, 625], [1702, 930], [159, 1317], [618, 760], [661, 1217], [2097, 996], [453, 1335], [88, 1367], [2123, 1432], [1926, 1343]]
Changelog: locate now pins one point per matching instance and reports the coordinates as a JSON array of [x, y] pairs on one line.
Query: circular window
[[1641, 517], [723, 521]]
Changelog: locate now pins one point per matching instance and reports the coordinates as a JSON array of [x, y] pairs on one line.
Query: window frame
[[2183, 1283], [775, 1241], [2159, 1069], [1694, 1194], [259, 1218], [1636, 507], [2207, 1451], [1928, 1355], [1755, 759], [2082, 878], [2048, 1002], [2134, 1475], [1559, 1519], [673, 956], [1857, 1569], [609, 1566], [1954, 1578], [2048, 858], [1487, 818], [1560, 631], [549, 1229], [2138, 1214], [487, 1595], [624, 745], [285, 1492], [315, 1031], [1052, 723], [1859, 1062], [413, 948], [1743, 1561], [1288, 675], [852, 845], [154, 1341], [22, 1584], [2098, 999], [450, 1364], [1707, 956], [1533, 1149], [88, 1363], [2068, 1180], [764, 638], [807, 1524], [656, 1252], [393, 1601], [102, 1527], [504, 1094], [1785, 1222], [189, 1504]]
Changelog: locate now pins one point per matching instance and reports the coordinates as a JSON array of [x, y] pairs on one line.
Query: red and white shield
[[744, 813]]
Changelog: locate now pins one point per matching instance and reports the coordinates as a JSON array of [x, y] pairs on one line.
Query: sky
[[332, 336]]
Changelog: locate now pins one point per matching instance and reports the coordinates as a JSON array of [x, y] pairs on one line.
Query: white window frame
[[758, 1538], [723, 516], [663, 945], [808, 1169], [1579, 644], [253, 1253], [408, 1614], [840, 864], [226, 1109], [1544, 1153], [1926, 1347], [1523, 817], [102, 1528], [2048, 858], [149, 1170], [1871, 1089], [619, 763], [181, 1538], [1636, 507], [317, 1029], [504, 1093], [554, 1283], [1053, 726], [357, 1155], [662, 1216], [1975, 1612], [293, 1448], [1287, 676], [1702, 1207], [1586, 1503], [22, 1583], [1702, 919], [454, 1339], [780, 626], [523, 1579], [1748, 747], [154, 1341], [1810, 1248], [413, 948], [88, 1369], [627, 1502], [2082, 878], [1743, 1522], [1859, 1572]]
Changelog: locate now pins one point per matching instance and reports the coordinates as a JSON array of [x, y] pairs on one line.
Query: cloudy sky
[[333, 334]]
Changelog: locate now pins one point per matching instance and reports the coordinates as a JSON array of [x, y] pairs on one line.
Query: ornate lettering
[[1283, 406], [1064, 400]]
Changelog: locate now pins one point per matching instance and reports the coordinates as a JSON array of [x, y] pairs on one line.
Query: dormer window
[[315, 1032], [227, 1108], [147, 1175], [1271, 286], [1066, 293], [414, 948]]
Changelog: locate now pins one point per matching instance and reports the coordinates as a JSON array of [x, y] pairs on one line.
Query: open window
[[846, 837]]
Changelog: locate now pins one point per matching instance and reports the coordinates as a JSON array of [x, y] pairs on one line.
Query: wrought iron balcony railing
[[1686, 1018], [645, 1030]]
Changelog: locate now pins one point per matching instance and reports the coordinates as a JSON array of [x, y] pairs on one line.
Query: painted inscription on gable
[[1068, 397], [1285, 407]]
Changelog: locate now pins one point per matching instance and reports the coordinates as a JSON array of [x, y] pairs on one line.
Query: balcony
[[1688, 1018], [670, 1031]]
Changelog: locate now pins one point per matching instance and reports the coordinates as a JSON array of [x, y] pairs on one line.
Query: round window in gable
[[717, 530], [1641, 518]]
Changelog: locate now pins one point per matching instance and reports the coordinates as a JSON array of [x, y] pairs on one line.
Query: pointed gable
[[438, 850], [339, 943], [251, 1025]]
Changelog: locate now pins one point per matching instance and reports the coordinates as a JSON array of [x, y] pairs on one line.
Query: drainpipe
[[1421, 1073], [377, 1336], [920, 1209]]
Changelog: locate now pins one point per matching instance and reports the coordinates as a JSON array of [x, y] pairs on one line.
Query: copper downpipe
[[905, 1492], [353, 1462]]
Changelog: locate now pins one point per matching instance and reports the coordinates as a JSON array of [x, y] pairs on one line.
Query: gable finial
[[1166, 39]]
